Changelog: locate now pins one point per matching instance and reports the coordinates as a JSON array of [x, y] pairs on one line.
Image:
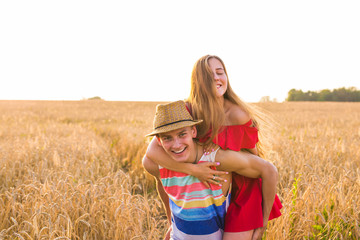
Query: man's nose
[[177, 143]]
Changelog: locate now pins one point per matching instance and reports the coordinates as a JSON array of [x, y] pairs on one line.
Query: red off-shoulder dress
[[245, 209]]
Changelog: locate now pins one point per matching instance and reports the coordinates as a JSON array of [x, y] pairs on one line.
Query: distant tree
[[265, 99], [95, 98], [355, 94], [325, 95], [295, 95], [311, 96], [340, 95]]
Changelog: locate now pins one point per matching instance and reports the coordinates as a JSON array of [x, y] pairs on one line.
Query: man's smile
[[180, 151]]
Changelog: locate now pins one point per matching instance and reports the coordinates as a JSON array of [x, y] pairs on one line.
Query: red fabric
[[236, 137], [245, 209]]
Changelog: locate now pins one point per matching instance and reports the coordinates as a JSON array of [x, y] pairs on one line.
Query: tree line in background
[[337, 95]]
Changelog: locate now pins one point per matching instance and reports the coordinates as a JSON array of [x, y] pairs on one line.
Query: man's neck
[[197, 154]]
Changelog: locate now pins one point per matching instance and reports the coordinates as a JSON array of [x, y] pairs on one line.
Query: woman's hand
[[204, 172], [258, 233], [210, 147]]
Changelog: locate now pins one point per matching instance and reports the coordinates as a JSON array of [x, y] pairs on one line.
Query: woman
[[231, 124]]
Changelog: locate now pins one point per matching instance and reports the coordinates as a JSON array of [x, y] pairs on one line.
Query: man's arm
[[250, 165], [153, 169]]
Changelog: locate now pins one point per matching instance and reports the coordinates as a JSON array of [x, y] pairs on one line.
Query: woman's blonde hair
[[206, 105]]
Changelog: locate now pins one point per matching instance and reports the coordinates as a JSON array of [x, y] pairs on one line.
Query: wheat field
[[72, 170]]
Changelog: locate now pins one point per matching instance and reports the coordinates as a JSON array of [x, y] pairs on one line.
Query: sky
[[141, 50]]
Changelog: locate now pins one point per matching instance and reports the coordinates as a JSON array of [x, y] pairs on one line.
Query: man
[[198, 212]]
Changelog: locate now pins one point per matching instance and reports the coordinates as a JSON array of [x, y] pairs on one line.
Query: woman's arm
[[202, 171], [251, 150]]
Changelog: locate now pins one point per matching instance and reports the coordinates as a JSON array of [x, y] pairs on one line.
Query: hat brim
[[173, 127]]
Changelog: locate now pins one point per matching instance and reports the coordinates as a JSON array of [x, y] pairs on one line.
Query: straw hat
[[172, 116]]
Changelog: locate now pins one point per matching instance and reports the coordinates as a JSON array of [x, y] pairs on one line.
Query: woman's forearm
[[202, 171], [157, 154]]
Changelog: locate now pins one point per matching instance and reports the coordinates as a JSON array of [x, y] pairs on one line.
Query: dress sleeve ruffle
[[236, 137]]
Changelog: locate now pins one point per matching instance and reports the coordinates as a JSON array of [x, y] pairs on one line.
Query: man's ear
[[194, 132], [158, 139]]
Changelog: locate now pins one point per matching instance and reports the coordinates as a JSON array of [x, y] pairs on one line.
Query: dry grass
[[72, 170]]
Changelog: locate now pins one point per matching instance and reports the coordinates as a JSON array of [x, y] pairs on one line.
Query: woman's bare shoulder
[[236, 115]]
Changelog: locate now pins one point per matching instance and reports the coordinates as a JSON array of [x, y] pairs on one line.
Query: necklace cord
[[197, 149]]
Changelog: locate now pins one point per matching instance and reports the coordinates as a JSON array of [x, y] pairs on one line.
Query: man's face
[[179, 143]]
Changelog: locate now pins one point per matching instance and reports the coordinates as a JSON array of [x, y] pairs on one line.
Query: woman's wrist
[[189, 168]]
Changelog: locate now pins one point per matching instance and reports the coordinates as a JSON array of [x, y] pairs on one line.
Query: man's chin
[[181, 159]]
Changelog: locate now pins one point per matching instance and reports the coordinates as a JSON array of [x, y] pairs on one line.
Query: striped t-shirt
[[198, 212]]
